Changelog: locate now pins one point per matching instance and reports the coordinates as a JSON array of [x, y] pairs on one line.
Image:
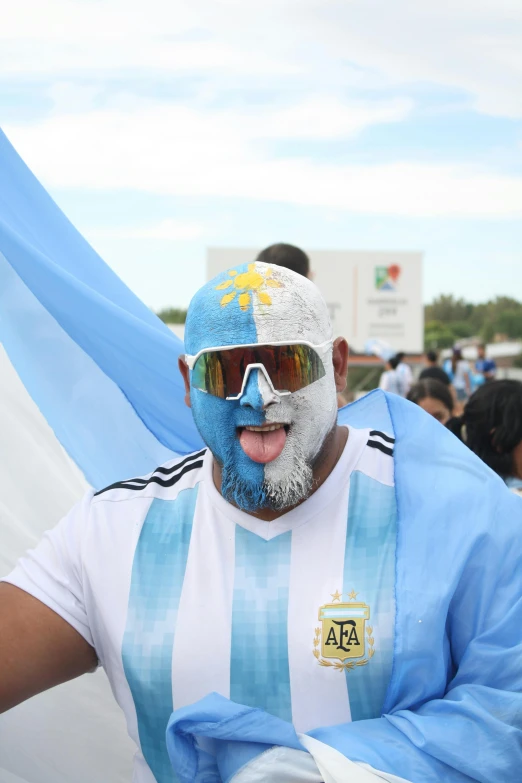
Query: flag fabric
[[99, 364], [217, 741]]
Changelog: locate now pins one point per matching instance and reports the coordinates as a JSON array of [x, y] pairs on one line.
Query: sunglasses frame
[[319, 348]]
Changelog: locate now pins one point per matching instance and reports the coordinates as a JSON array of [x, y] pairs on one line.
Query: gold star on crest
[[336, 596], [352, 596]]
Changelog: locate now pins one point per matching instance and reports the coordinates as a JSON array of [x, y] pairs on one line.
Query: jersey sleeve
[[473, 732], [52, 572]]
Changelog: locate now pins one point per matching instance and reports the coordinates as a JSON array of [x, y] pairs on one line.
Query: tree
[[502, 315], [437, 335], [509, 322], [173, 315], [446, 309]]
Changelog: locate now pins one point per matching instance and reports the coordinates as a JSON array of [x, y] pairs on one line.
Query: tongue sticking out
[[263, 446]]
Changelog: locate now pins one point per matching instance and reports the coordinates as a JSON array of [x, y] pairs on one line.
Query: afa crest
[[344, 640]]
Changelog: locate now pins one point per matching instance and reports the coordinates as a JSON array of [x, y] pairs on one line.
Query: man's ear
[[185, 372], [340, 363]]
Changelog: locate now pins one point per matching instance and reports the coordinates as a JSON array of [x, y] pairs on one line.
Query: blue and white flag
[[100, 365]]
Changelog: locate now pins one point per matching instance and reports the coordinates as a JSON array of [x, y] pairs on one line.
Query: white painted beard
[[289, 488], [313, 416]]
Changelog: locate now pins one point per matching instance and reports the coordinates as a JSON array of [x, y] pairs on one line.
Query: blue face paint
[[212, 320], [209, 324], [218, 421]]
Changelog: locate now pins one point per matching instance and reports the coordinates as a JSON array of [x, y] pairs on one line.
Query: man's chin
[[279, 494], [249, 496]]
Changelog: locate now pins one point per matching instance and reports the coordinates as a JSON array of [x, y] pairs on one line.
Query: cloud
[[470, 46], [180, 151], [473, 46], [288, 70], [173, 230]]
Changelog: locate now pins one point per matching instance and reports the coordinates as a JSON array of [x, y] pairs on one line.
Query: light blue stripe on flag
[[326, 613], [259, 670], [369, 569], [158, 572]]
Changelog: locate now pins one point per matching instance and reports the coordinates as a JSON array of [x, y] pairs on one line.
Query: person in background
[[404, 375], [486, 368], [432, 370], [458, 370], [491, 426], [389, 380], [434, 397], [289, 256]]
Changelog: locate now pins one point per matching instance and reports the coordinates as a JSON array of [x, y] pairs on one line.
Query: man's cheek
[[215, 421]]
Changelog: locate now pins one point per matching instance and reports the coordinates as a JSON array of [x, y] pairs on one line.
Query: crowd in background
[[484, 413], [460, 376]]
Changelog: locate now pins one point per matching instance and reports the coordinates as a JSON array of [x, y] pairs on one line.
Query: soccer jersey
[[183, 594]]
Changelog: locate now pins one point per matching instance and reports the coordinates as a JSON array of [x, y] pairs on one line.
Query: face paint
[[262, 304]]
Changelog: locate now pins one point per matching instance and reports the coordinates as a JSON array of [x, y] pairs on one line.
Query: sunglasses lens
[[289, 367]]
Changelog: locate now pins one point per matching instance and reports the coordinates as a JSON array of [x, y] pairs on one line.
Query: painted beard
[[313, 413], [283, 491]]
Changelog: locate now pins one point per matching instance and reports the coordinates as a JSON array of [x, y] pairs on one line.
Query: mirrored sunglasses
[[223, 372]]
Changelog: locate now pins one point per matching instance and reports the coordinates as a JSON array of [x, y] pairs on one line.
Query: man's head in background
[[289, 256]]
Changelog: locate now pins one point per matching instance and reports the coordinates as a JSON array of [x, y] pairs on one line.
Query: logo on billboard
[[387, 277]]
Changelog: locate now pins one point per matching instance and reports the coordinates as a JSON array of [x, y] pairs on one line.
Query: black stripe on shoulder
[[163, 471], [374, 444], [382, 435], [140, 483]]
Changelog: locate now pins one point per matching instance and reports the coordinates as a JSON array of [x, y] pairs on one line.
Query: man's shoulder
[[166, 482], [376, 457]]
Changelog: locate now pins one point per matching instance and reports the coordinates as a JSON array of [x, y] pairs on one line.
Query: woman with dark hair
[[434, 397], [491, 426]]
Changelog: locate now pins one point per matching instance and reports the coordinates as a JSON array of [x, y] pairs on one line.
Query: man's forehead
[[256, 303]]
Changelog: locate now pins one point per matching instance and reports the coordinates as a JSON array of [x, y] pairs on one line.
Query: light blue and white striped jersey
[[183, 594]]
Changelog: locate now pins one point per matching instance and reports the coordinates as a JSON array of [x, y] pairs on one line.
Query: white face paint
[[298, 312]]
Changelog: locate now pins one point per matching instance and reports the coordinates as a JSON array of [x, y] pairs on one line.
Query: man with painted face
[[272, 445], [305, 586]]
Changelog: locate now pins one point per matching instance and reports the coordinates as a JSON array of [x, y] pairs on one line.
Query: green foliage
[[173, 315], [449, 320], [445, 308], [509, 323], [517, 361], [437, 335]]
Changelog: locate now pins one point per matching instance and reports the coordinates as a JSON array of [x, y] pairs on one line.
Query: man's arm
[[38, 649]]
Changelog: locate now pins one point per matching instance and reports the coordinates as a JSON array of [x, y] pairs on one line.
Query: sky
[[162, 128]]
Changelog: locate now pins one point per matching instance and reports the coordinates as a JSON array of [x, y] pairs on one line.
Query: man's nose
[[258, 393]]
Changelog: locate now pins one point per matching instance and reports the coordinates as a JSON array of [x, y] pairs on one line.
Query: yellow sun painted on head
[[248, 285]]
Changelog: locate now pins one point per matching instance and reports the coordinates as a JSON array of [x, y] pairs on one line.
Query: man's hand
[[38, 649]]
